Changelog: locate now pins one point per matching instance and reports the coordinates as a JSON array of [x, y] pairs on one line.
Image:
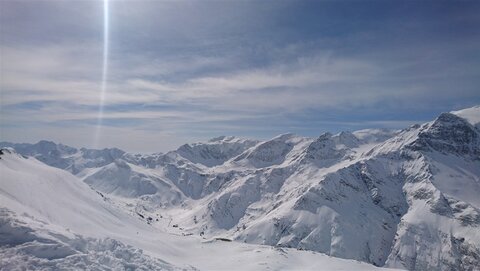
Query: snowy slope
[[49, 219], [48, 215], [65, 157]]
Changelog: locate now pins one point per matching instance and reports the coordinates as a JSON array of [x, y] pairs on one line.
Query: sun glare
[[103, 87]]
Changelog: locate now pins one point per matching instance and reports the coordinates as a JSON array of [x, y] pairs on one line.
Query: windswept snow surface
[[406, 199], [471, 114], [49, 219]]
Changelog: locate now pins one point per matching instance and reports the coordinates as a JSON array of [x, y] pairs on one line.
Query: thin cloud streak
[[192, 71]]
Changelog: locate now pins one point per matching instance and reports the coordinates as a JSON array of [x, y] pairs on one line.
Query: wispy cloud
[[185, 72]]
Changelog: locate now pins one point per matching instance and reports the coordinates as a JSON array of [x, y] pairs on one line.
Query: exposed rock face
[[449, 134]]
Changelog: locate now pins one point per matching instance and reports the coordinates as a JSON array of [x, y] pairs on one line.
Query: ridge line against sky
[[187, 71]]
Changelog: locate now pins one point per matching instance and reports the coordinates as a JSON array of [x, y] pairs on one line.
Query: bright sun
[[103, 88]]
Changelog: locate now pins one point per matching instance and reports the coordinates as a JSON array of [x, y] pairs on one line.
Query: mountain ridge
[[389, 198]]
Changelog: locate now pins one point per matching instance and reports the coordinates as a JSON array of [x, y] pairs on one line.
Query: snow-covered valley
[[366, 200]]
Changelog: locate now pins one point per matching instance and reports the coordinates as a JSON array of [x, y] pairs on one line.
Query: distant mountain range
[[407, 199]]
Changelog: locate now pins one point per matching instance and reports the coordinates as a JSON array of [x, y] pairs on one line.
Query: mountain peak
[[216, 151], [46, 142], [448, 118], [448, 133], [347, 139], [374, 135], [284, 136], [222, 138], [472, 115]]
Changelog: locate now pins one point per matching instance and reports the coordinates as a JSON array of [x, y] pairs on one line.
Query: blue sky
[[182, 71]]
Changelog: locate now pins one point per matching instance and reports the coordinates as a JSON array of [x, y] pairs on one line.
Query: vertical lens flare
[[103, 88]]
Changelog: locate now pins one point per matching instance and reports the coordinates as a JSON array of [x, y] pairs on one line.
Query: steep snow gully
[[372, 199]]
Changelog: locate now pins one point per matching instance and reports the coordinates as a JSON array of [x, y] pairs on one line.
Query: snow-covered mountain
[[216, 151], [51, 220], [407, 199], [65, 157]]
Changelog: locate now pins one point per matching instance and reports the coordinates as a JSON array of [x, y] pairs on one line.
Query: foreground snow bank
[[24, 248]]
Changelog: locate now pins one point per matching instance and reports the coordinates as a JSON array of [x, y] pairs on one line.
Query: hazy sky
[[182, 71]]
